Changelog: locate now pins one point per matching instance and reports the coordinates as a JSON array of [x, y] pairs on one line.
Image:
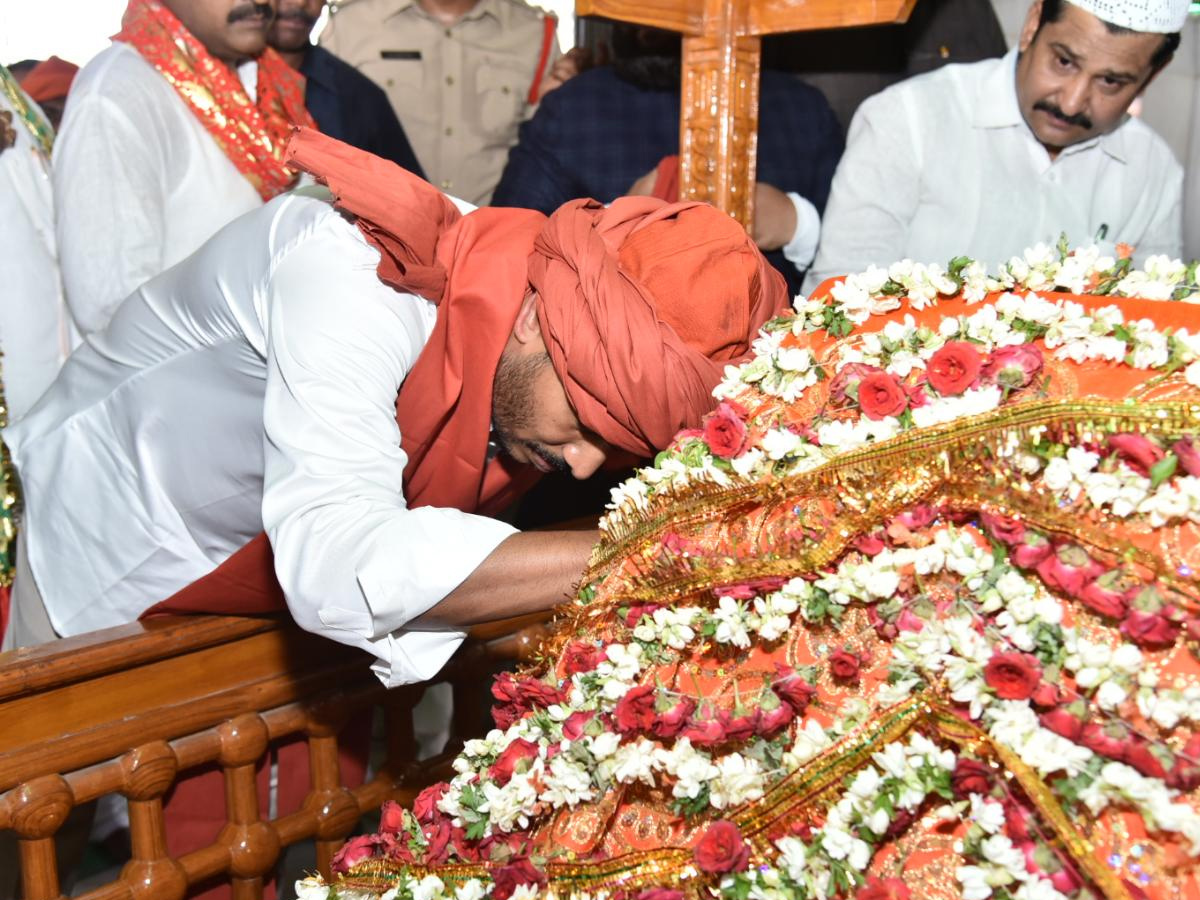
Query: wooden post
[[722, 52]]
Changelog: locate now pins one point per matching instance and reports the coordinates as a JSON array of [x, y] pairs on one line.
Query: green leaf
[[1163, 469]]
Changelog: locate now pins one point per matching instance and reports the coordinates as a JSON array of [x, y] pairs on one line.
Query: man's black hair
[[1052, 12], [646, 57]]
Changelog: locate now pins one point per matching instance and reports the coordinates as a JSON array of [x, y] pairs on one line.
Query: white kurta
[[35, 332], [139, 183], [254, 383], [943, 165]]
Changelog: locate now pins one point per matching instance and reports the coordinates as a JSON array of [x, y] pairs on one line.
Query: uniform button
[[449, 79], [449, 33], [446, 184], [449, 131], [391, 82], [505, 89]]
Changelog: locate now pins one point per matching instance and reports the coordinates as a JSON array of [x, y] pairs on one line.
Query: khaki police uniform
[[460, 91]]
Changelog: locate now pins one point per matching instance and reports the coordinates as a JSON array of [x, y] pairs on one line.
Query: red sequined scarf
[[252, 134]]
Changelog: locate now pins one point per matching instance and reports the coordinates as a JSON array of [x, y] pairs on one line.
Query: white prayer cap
[[1158, 16]]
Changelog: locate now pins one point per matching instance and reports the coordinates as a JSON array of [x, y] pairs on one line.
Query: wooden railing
[[133, 709]]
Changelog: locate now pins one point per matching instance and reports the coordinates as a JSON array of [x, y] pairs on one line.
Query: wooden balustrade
[[132, 710]]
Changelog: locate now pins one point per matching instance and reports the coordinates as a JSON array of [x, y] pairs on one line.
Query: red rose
[[1068, 569], [506, 763], [1136, 449], [1046, 694], [917, 517], [970, 777], [704, 732], [1149, 629], [771, 722], [576, 724], [635, 613], [533, 692], [909, 621], [1013, 675], [880, 395], [391, 817], [670, 722], [845, 383], [738, 728], [581, 656], [634, 713], [900, 823], [1063, 722], [1014, 366], [792, 689], [725, 432], [954, 368], [1141, 755], [1017, 821], [1008, 530], [1184, 775], [844, 665], [1099, 596], [507, 879], [883, 889], [870, 544], [722, 849], [437, 842], [660, 893], [886, 630], [425, 807], [1188, 454], [1107, 740], [353, 852]]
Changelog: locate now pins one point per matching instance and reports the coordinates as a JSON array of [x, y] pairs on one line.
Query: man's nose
[[1073, 96], [584, 458]]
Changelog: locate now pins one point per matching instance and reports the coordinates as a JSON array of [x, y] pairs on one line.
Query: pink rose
[[909, 621], [721, 849], [1188, 454], [1033, 549], [1068, 569], [1064, 721], [635, 613], [1014, 366], [792, 689], [1013, 675], [725, 432], [1104, 597], [916, 517], [954, 368], [869, 544], [970, 777], [1149, 629], [1143, 756], [738, 728], [1108, 740], [844, 665], [771, 722], [1184, 775], [704, 732], [1137, 450], [437, 842], [1008, 530], [881, 395], [576, 724], [883, 889]]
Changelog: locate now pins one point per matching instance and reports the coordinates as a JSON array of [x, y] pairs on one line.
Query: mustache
[[248, 11], [1078, 119]]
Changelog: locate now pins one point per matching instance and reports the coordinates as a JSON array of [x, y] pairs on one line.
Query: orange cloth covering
[[252, 133], [660, 287], [50, 79]]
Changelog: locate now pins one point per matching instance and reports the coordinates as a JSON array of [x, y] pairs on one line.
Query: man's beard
[[249, 11], [512, 406]]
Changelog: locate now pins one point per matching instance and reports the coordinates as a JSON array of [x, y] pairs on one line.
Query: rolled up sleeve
[[355, 563]]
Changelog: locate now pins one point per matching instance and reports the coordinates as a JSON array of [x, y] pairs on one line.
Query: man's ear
[[1029, 29], [527, 328]]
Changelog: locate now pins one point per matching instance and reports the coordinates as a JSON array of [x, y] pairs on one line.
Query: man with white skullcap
[[989, 158]]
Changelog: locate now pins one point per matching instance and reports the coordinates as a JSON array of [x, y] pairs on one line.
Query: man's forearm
[[528, 572]]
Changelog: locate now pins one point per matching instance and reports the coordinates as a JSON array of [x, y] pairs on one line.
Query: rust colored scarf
[[252, 134], [673, 290]]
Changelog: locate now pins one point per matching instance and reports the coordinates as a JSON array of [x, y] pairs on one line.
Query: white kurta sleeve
[[874, 194], [355, 563], [110, 208]]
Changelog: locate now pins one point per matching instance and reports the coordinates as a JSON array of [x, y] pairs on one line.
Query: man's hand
[[774, 217], [529, 572], [644, 186], [565, 68]]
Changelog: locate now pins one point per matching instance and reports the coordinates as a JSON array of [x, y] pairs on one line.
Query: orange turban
[[641, 305], [50, 79]]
